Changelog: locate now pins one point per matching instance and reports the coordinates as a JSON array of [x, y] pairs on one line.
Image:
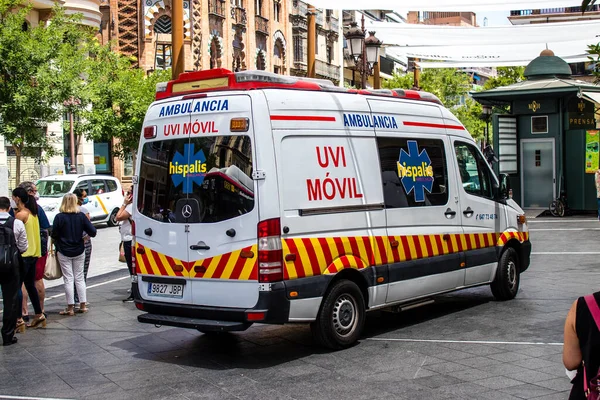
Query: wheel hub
[[344, 315], [512, 274]]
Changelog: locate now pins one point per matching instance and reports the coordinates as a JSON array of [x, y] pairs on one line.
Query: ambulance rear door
[[220, 210], [161, 249]]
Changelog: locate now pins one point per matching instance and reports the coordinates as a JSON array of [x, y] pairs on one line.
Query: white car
[[105, 195]]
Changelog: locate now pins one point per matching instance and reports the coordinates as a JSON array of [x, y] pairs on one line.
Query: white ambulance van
[[262, 198]]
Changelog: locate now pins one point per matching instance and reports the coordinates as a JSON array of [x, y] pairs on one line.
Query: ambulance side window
[[474, 172], [414, 172]]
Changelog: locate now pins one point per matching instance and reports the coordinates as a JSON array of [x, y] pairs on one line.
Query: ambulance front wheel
[[506, 283], [342, 316]]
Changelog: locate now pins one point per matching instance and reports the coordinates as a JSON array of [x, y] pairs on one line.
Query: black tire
[[112, 220], [506, 283], [560, 208], [552, 208], [342, 316]]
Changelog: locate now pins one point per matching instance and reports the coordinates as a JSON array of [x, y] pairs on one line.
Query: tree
[[452, 88], [119, 95], [505, 76], [37, 69]]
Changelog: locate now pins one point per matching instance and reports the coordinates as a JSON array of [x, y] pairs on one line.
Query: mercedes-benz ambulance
[[262, 198]]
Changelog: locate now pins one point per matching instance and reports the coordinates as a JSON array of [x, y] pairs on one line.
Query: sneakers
[[128, 300]]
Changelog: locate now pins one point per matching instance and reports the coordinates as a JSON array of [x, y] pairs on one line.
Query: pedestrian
[[27, 213], [597, 178], [11, 281], [82, 200], [124, 216], [581, 347], [31, 189], [67, 233]]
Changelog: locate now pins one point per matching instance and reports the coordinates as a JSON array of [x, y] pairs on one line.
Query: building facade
[[268, 35], [466, 18]]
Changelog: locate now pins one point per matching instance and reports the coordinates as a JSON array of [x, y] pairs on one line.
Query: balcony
[[333, 24], [557, 10], [238, 15], [298, 16], [261, 24], [320, 18], [217, 8], [326, 70], [89, 10]]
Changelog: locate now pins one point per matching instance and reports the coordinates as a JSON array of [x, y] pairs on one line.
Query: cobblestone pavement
[[464, 346]]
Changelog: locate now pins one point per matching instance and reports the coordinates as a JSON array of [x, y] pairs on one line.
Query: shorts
[[40, 266]]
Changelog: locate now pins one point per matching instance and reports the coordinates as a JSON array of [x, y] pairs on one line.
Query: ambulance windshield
[[215, 171]]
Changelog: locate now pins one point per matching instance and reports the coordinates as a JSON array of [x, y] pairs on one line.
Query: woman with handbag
[[67, 233], [124, 216], [27, 212]]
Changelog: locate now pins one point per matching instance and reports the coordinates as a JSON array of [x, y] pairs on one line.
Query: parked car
[[105, 195]]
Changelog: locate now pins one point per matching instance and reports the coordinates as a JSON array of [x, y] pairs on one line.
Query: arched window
[[163, 24]]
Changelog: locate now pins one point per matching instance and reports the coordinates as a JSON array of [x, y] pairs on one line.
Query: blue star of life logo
[[415, 171], [188, 168]]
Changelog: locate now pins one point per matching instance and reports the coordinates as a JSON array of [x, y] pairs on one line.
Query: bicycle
[[559, 206]]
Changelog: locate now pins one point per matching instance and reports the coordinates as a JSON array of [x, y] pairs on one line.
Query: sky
[[495, 18]]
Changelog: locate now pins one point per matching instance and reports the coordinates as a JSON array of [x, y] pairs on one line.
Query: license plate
[[165, 290]]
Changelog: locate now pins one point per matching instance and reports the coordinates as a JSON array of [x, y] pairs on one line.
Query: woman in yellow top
[[27, 212]]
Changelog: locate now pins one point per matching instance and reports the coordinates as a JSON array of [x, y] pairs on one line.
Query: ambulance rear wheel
[[342, 316], [506, 283]]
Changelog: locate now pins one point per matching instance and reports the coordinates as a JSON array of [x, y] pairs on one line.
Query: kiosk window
[[414, 172]]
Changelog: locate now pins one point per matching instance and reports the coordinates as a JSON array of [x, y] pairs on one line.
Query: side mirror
[[505, 192]]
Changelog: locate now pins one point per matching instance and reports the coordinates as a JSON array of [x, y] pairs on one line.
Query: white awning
[[594, 97]]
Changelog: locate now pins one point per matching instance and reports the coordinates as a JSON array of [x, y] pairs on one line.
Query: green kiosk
[[549, 142]]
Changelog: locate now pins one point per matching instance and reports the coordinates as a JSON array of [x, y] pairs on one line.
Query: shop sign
[[581, 121], [535, 106], [592, 145]]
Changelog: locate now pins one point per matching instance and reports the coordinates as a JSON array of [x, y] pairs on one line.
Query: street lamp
[[70, 103], [364, 52], [486, 113]]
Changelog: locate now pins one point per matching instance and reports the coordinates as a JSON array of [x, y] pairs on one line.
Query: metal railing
[[238, 15], [556, 10], [334, 24], [299, 8], [261, 24], [328, 70], [216, 7]]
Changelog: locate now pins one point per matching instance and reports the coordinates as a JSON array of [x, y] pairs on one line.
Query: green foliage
[[39, 68], [451, 87], [594, 56], [506, 76], [119, 95]]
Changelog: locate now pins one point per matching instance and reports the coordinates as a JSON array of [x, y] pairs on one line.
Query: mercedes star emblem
[[186, 211]]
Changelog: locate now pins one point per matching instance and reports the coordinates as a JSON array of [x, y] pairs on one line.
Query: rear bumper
[[525, 256], [274, 304]]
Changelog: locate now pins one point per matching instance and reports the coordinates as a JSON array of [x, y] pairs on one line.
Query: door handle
[[468, 212], [230, 232], [450, 213], [148, 231], [199, 247]]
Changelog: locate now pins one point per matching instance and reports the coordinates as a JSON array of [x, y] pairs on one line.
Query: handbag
[[592, 392], [122, 253], [52, 269]]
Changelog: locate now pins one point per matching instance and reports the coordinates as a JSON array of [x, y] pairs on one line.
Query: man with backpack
[[13, 242]]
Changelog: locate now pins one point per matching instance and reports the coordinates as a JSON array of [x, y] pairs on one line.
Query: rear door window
[[215, 171], [98, 187]]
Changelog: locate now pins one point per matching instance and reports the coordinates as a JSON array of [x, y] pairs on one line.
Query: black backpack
[[9, 253]]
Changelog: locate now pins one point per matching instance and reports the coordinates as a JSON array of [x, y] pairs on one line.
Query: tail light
[[150, 132], [270, 255]]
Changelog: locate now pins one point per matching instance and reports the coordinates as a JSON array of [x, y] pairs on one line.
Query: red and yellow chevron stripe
[[316, 256], [321, 256]]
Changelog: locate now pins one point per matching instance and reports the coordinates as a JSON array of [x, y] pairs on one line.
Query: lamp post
[[70, 103], [486, 114], [365, 52]]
